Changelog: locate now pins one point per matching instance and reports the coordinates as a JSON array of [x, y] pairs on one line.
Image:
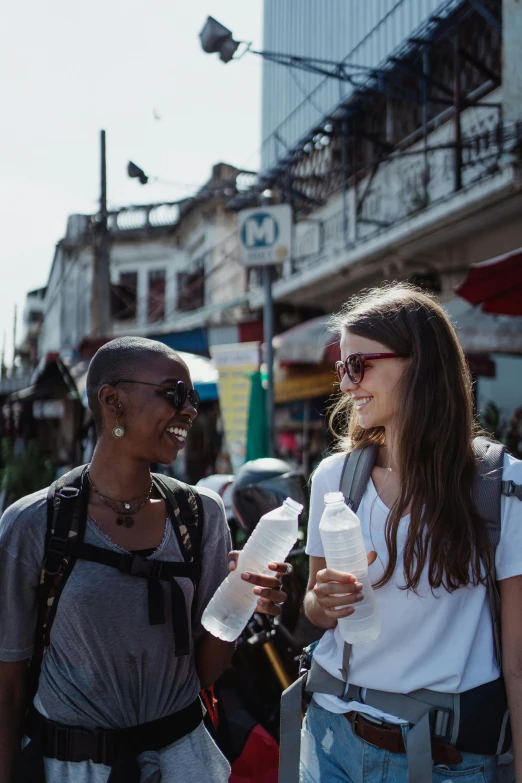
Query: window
[[191, 289], [34, 317], [124, 297], [156, 302]]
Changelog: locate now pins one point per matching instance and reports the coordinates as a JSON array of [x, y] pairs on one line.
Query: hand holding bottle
[[346, 559], [234, 602], [337, 592], [268, 588]]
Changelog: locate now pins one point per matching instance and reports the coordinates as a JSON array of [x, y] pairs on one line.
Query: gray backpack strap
[[317, 680], [357, 470], [290, 731], [416, 708], [488, 488]]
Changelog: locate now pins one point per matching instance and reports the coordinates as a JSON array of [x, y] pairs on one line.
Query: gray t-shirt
[[106, 666]]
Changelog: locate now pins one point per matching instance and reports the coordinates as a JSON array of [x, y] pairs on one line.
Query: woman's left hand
[[268, 589]]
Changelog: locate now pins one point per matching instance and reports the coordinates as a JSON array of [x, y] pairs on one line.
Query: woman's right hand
[[337, 593]]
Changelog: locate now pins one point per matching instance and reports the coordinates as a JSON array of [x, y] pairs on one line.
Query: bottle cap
[[334, 497], [294, 505]]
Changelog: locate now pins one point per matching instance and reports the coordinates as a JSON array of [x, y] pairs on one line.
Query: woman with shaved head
[[118, 691]]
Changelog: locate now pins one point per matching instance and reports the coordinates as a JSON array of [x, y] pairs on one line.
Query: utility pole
[[101, 302], [3, 366], [15, 323], [268, 336]]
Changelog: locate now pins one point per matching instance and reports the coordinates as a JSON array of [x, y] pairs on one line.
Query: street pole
[[268, 334], [101, 305], [457, 109], [15, 324]]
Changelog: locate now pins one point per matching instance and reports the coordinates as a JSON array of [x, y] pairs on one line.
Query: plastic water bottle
[[344, 550], [233, 603]]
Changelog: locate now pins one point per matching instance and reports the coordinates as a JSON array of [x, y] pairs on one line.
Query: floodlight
[[135, 172], [215, 37]]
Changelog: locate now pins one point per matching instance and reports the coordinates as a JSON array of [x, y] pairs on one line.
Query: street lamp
[[136, 173], [216, 38]]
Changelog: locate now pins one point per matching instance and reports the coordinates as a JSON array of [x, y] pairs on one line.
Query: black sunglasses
[[355, 364], [176, 395]]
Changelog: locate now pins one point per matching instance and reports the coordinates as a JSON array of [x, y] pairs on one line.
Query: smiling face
[[377, 397], [155, 431]]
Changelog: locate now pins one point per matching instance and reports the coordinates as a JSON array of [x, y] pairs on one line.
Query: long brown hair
[[434, 440]]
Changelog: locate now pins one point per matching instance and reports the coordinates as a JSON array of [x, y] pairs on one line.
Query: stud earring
[[119, 429]]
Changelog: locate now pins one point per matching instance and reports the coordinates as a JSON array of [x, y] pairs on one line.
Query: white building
[[174, 271], [415, 173], [363, 33]]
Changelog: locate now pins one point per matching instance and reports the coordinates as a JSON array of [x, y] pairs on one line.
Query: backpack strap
[[487, 486], [154, 571], [488, 489], [357, 470], [186, 512], [67, 501]]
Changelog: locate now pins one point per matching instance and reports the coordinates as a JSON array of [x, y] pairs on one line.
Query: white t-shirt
[[433, 639]]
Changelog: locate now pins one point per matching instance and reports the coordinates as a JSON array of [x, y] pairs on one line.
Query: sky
[[69, 70]]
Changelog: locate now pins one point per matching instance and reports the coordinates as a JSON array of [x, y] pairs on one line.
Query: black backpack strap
[[153, 571], [186, 512], [357, 470], [67, 501]]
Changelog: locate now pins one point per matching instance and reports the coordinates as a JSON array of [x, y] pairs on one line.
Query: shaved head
[[121, 358]]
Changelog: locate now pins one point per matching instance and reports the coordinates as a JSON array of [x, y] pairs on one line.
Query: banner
[[235, 364]]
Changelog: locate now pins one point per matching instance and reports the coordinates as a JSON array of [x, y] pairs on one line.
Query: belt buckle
[[61, 743], [90, 744], [101, 737], [141, 567]]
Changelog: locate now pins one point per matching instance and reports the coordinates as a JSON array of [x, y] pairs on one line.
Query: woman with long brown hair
[[406, 390]]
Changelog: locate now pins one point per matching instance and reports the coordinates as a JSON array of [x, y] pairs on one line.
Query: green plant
[[25, 470]]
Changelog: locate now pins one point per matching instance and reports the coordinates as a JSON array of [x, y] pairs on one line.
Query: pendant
[[126, 506], [125, 521]]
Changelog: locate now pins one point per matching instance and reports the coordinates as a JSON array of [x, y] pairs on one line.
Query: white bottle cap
[[294, 505], [334, 497]]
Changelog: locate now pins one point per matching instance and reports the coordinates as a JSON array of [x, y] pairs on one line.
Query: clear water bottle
[[344, 550], [233, 603]]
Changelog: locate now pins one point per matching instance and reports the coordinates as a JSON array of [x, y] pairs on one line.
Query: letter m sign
[[265, 235]]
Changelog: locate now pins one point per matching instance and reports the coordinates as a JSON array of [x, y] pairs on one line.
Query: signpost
[[265, 239]]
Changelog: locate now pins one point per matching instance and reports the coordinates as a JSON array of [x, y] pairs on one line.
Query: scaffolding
[[451, 64]]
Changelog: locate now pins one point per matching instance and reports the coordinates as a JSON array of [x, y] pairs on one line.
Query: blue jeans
[[332, 753]]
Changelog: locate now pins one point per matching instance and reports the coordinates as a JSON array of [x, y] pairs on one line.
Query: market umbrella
[[496, 284], [257, 426], [309, 342]]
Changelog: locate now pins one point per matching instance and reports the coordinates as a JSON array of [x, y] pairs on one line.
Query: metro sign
[[265, 235]]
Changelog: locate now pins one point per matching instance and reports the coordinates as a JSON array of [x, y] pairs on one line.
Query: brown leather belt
[[388, 736]]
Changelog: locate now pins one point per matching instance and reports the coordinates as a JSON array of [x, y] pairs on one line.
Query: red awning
[[496, 285]]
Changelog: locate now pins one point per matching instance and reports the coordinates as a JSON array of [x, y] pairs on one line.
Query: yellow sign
[[302, 384], [234, 364]]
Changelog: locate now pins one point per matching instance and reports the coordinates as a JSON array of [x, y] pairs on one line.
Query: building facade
[[175, 276], [407, 168], [364, 34], [174, 271]]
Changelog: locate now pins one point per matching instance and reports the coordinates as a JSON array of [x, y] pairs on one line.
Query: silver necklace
[[124, 518]]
